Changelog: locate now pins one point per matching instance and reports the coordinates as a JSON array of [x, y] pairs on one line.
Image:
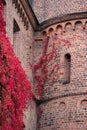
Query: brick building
[[28, 23]]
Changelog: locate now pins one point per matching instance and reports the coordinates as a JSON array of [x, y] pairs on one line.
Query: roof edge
[[62, 18], [41, 26], [30, 14]]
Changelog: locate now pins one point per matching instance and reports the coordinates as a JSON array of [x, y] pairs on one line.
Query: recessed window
[[67, 68], [15, 27], [16, 33]]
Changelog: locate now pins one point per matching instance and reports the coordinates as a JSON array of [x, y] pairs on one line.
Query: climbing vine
[[15, 89], [50, 57]]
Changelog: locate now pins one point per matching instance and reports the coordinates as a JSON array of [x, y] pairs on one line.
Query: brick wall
[[30, 117], [60, 108], [21, 40], [66, 113], [64, 104], [77, 50], [22, 44]]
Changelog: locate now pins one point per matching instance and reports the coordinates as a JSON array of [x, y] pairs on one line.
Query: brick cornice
[[58, 97], [63, 18]]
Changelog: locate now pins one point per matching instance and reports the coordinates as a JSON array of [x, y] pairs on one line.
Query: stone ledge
[[63, 18], [58, 97]]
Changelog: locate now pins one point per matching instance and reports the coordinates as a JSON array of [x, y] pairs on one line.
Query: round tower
[[64, 102]]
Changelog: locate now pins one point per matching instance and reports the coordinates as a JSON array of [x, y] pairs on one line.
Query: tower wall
[[64, 105]]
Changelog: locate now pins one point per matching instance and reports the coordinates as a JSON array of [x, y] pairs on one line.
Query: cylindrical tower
[[64, 103]]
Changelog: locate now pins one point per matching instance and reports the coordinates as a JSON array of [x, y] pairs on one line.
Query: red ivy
[[15, 89], [45, 60]]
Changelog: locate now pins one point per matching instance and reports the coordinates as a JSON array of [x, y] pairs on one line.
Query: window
[[15, 27], [67, 68], [16, 35]]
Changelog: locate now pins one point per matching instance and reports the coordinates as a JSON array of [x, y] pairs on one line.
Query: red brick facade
[[64, 104], [21, 39]]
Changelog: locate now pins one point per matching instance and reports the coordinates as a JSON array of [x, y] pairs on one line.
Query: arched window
[[67, 68]]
